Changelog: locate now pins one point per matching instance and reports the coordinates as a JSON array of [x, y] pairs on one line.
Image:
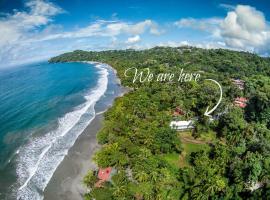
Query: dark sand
[[66, 183]]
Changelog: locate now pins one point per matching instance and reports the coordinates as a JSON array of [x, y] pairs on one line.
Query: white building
[[181, 125]]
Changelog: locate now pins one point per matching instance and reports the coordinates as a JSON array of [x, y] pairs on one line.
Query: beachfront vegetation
[[227, 158]]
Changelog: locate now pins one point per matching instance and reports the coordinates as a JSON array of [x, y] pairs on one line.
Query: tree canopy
[[136, 138]]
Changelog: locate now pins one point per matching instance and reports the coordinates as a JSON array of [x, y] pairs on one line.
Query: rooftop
[[181, 125], [104, 174], [240, 102]]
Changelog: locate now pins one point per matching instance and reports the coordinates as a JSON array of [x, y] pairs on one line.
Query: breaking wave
[[38, 159]]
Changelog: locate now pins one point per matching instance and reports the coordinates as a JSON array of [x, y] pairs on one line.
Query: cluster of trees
[[136, 133]]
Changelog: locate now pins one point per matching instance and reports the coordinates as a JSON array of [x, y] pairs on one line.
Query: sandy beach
[[66, 183]]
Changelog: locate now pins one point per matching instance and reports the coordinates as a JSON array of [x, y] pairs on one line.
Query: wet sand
[[67, 180]]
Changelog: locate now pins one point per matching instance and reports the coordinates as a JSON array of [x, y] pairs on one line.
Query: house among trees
[[181, 125], [104, 175], [178, 111], [239, 83], [240, 102]]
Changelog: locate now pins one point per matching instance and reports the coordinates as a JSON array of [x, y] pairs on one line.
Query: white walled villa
[[181, 125]]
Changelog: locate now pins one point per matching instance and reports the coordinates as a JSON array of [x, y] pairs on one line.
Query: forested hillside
[[224, 158]]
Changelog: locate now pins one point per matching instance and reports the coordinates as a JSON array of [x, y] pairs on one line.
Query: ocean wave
[[39, 158]]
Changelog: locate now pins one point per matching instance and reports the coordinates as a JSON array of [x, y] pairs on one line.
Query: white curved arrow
[[207, 113]]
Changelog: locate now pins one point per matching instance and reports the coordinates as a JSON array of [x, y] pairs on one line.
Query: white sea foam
[[38, 159], [101, 112]]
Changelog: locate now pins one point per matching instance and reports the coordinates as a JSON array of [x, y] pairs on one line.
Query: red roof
[[241, 99], [104, 174], [241, 102], [241, 105]]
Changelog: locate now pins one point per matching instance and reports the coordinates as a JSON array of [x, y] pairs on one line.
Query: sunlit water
[[43, 109]]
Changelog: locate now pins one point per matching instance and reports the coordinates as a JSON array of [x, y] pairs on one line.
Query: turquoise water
[[43, 109]]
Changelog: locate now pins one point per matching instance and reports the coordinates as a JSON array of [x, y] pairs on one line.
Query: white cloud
[[244, 28], [138, 28], [131, 28], [210, 25], [31, 35], [132, 40], [16, 27], [201, 24], [109, 29], [227, 6]]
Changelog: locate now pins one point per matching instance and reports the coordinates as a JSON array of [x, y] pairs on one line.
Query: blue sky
[[33, 30]]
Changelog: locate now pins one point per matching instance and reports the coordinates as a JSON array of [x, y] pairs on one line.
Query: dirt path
[[193, 141]]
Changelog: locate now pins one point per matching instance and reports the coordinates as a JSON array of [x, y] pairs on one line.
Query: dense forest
[[224, 158]]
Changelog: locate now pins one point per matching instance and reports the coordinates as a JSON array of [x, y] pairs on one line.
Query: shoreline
[[66, 182]]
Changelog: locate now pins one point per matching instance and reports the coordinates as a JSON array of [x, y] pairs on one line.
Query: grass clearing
[[188, 149], [189, 144], [172, 159]]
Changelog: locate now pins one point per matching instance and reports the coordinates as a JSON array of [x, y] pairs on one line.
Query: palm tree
[[141, 176], [154, 176], [119, 191]]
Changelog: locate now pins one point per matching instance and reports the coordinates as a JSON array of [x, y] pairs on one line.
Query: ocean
[[43, 109]]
